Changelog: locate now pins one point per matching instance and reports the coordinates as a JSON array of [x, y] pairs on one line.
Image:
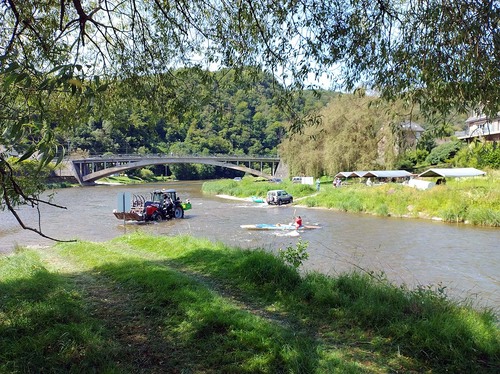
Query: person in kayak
[[298, 222]]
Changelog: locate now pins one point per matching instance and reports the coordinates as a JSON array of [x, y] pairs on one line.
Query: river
[[464, 259]]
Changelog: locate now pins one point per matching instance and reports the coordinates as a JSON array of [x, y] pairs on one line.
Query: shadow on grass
[[115, 317], [44, 327], [129, 314], [421, 325]]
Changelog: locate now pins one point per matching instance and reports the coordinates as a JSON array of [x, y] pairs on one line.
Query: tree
[[355, 134], [57, 56]]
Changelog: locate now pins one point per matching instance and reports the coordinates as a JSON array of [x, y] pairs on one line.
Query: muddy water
[[464, 259]]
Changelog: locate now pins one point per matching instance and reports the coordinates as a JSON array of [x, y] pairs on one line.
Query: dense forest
[[226, 114]]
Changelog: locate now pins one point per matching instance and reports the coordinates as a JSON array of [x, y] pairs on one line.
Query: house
[[411, 132], [478, 125]]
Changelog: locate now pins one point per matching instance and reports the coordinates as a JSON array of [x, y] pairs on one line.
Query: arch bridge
[[88, 170]]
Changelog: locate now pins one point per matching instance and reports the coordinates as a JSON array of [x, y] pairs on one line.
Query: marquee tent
[[454, 172], [375, 174], [388, 174], [345, 174]]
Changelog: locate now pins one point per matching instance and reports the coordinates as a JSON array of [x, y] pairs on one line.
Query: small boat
[[278, 226], [256, 199]]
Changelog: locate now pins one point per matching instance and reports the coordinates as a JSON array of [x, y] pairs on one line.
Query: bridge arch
[[87, 171]]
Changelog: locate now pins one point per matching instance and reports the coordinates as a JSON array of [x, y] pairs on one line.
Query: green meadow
[[178, 304]]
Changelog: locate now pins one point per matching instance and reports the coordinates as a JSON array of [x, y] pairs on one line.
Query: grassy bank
[[471, 200], [250, 186], [178, 304], [124, 179]]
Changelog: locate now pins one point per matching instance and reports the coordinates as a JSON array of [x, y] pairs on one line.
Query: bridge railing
[[172, 155]]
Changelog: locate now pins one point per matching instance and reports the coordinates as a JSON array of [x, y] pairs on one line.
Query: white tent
[[345, 174], [375, 174], [388, 174], [454, 172]]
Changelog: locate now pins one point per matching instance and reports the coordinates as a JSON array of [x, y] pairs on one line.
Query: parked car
[[278, 197], [275, 180]]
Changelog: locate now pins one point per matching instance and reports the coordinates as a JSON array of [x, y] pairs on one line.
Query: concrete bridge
[[88, 170]]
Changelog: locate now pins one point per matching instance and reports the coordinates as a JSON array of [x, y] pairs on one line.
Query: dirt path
[[140, 345]]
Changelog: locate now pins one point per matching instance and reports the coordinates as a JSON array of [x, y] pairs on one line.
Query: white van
[[303, 180]]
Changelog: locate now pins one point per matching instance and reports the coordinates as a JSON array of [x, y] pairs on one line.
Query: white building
[[481, 126]]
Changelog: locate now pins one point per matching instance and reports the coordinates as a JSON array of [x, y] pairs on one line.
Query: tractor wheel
[[178, 212], [158, 217]]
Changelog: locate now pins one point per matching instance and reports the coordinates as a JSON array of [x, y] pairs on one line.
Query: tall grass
[[422, 323], [179, 304], [471, 200]]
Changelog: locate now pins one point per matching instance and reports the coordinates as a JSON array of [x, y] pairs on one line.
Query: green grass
[[471, 200], [44, 322], [145, 303], [250, 186]]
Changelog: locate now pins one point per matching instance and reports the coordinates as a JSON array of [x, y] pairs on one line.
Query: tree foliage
[[478, 154], [55, 56], [357, 132], [444, 152]]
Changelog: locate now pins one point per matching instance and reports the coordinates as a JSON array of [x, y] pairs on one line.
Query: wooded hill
[[231, 113]]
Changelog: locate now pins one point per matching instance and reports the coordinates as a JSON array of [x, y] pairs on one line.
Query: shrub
[[443, 152], [295, 256]]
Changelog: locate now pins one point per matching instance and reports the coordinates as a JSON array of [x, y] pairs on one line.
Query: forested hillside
[[224, 115], [227, 114], [239, 113]]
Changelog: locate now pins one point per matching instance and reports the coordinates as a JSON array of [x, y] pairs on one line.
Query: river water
[[464, 259]]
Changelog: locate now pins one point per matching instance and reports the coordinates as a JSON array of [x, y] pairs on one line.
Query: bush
[[444, 152], [146, 174]]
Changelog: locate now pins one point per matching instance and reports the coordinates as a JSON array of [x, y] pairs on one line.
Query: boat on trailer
[[162, 205]]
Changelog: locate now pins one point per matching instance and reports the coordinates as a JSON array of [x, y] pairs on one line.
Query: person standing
[[318, 184]]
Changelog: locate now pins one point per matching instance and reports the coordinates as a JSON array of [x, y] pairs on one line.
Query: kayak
[[279, 226], [256, 199]]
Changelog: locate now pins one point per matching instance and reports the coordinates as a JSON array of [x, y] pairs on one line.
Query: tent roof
[[375, 173], [359, 173], [345, 174], [387, 174], [455, 172]]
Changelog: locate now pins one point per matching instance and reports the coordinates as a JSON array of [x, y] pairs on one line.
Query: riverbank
[[172, 304], [473, 201]]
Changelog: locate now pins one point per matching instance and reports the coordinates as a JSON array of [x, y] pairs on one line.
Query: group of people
[[337, 182]]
